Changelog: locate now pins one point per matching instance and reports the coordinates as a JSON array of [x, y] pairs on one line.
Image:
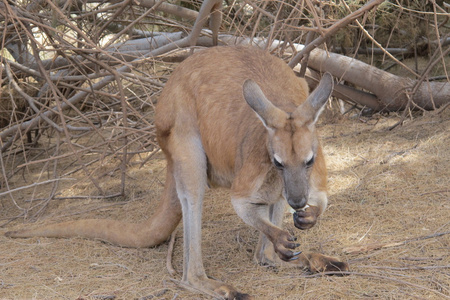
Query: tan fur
[[225, 117]]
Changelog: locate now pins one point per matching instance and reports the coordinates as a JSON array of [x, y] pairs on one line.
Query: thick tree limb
[[345, 92], [209, 8], [170, 9], [388, 88], [387, 91], [121, 52]]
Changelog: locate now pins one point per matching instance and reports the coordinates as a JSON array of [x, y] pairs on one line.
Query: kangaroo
[[234, 117]]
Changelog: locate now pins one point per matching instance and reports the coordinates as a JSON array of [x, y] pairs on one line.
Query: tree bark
[[391, 90]]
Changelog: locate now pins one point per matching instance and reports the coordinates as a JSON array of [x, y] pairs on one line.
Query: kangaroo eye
[[277, 163], [310, 162]]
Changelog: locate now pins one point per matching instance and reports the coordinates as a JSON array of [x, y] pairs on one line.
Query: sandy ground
[[388, 217]]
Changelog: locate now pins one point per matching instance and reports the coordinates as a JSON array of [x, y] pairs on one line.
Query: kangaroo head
[[292, 139]]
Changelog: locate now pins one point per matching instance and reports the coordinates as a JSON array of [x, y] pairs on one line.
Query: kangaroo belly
[[219, 177]]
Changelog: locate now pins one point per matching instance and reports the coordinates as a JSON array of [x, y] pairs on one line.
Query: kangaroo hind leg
[[189, 166]]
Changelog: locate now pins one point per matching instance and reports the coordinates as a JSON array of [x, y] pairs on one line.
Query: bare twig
[[376, 246], [332, 30], [9, 191]]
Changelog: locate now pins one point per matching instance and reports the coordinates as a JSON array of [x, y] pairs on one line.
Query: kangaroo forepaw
[[282, 245], [305, 219]]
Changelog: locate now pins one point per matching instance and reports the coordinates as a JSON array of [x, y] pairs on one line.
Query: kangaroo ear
[[271, 116], [310, 110]]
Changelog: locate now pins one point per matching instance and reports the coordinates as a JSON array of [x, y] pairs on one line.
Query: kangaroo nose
[[298, 203]]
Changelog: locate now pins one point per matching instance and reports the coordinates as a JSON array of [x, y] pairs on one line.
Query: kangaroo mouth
[[303, 208], [292, 211]]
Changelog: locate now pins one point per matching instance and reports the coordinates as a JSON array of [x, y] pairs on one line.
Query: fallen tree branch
[[389, 89], [172, 9]]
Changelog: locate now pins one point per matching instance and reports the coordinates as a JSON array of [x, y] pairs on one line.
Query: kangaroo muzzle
[[296, 188], [298, 203]]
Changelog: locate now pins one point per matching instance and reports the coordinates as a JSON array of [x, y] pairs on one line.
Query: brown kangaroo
[[216, 125]]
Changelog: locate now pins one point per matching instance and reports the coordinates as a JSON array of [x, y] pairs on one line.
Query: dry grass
[[389, 188]]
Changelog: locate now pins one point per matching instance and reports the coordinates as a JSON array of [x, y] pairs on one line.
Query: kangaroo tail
[[150, 233], [141, 235]]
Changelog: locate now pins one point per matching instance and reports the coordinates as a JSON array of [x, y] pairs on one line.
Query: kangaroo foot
[[316, 263], [216, 289]]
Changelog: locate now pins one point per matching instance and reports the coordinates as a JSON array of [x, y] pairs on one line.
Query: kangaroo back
[[205, 92]]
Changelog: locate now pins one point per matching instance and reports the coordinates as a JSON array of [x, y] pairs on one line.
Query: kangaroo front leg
[[314, 262], [257, 214], [265, 253]]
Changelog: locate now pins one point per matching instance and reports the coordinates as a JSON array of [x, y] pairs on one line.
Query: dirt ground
[[389, 217]]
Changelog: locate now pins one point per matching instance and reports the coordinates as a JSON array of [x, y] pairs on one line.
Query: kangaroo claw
[[295, 256]]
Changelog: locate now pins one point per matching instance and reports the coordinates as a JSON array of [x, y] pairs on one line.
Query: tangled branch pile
[[79, 78]]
